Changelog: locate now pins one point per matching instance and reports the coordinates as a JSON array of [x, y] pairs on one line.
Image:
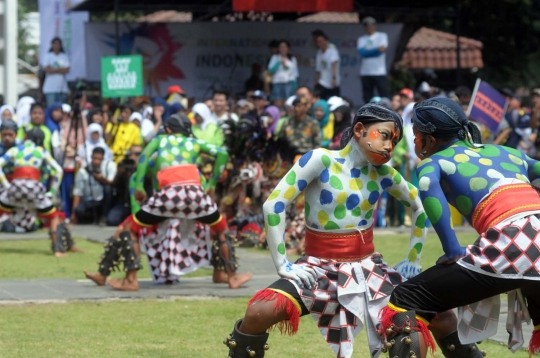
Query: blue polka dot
[[193, 159], [373, 197], [326, 197], [132, 191], [302, 184], [179, 157], [362, 223], [386, 182], [305, 159], [340, 160], [152, 164], [325, 176], [355, 173], [142, 158], [279, 207], [352, 201]]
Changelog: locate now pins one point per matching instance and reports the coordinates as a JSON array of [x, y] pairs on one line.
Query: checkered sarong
[[180, 201], [26, 193], [345, 295], [178, 247], [511, 249]]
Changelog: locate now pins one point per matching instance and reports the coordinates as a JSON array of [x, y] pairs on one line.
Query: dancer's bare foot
[[122, 284], [98, 278], [60, 254], [220, 276], [237, 280], [75, 249]]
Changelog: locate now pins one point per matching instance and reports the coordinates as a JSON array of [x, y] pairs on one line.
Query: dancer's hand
[[452, 257], [140, 196], [408, 269], [302, 275]]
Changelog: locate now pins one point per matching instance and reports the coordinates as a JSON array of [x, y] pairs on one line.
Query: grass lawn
[[163, 329], [30, 259]]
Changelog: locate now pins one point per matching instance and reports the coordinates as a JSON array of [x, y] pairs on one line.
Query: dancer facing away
[[181, 196], [26, 191], [491, 187], [341, 281]]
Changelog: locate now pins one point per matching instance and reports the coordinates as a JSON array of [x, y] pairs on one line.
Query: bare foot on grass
[[98, 278], [122, 284]]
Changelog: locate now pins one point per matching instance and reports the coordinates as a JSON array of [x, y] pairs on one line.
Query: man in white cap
[[372, 50]]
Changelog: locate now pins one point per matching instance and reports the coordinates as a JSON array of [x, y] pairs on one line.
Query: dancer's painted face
[[420, 144], [377, 140]]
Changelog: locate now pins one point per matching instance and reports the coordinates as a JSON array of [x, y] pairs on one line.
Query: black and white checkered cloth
[[26, 193], [180, 201]]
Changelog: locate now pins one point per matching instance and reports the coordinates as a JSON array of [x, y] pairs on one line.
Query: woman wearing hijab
[[270, 119], [94, 139], [7, 112], [326, 121], [205, 128], [53, 117], [23, 110]]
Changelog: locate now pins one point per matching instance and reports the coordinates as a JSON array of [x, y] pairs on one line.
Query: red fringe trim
[[534, 344], [289, 327], [386, 317], [220, 226]]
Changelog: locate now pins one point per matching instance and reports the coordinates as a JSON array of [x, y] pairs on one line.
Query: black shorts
[[286, 286], [444, 287]]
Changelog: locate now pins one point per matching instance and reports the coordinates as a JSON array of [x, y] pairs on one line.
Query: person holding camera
[[122, 208], [92, 192]]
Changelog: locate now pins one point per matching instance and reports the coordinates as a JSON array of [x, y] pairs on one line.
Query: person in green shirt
[[37, 119], [205, 127], [182, 195]]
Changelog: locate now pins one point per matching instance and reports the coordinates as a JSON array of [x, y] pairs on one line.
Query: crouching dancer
[[491, 187], [27, 192], [341, 281], [181, 195]]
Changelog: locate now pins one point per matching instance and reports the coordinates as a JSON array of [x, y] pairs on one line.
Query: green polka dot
[[464, 204], [536, 168], [307, 209], [331, 226], [369, 214], [274, 194], [273, 219], [467, 169], [419, 247], [491, 151], [336, 183], [281, 248], [424, 162], [291, 178], [421, 221], [383, 170], [515, 159], [372, 186], [326, 160], [413, 255], [19, 155], [340, 211], [447, 153], [510, 167], [395, 193], [433, 209], [364, 170], [477, 184], [356, 212], [426, 170], [513, 151], [406, 203], [341, 198], [397, 178]]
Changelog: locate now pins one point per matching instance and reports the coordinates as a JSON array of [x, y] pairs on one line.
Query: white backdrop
[[57, 21], [203, 56]]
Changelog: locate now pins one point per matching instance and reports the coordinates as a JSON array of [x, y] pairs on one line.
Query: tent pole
[[116, 26]]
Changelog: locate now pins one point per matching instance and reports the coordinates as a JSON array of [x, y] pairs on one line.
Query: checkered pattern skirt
[[345, 296], [26, 193], [511, 249], [178, 247], [180, 201]]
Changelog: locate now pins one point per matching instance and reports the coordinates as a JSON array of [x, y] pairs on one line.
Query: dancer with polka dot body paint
[[341, 281], [493, 188]]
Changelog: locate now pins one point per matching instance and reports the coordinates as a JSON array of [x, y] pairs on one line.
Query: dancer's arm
[[407, 194], [142, 166], [135, 206], [307, 169], [10, 154], [221, 156], [438, 211], [56, 170], [533, 170]]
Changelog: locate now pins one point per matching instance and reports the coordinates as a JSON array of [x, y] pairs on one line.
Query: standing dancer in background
[[341, 281], [181, 196]]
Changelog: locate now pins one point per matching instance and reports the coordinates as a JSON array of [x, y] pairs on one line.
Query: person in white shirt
[[56, 65], [284, 70], [372, 50], [221, 108], [327, 77]]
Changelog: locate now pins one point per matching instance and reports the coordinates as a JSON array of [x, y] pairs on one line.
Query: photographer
[[121, 209], [92, 192]]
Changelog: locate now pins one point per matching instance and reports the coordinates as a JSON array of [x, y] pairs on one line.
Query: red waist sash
[[26, 173], [504, 202], [350, 246], [183, 174]]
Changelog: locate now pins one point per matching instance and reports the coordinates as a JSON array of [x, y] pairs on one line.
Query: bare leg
[[53, 227], [98, 278], [129, 282], [235, 279], [260, 316], [220, 276], [444, 324]]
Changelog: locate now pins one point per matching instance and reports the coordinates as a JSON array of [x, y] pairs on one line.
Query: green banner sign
[[121, 76]]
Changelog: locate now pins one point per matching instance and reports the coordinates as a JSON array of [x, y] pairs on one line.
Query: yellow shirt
[[125, 135]]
